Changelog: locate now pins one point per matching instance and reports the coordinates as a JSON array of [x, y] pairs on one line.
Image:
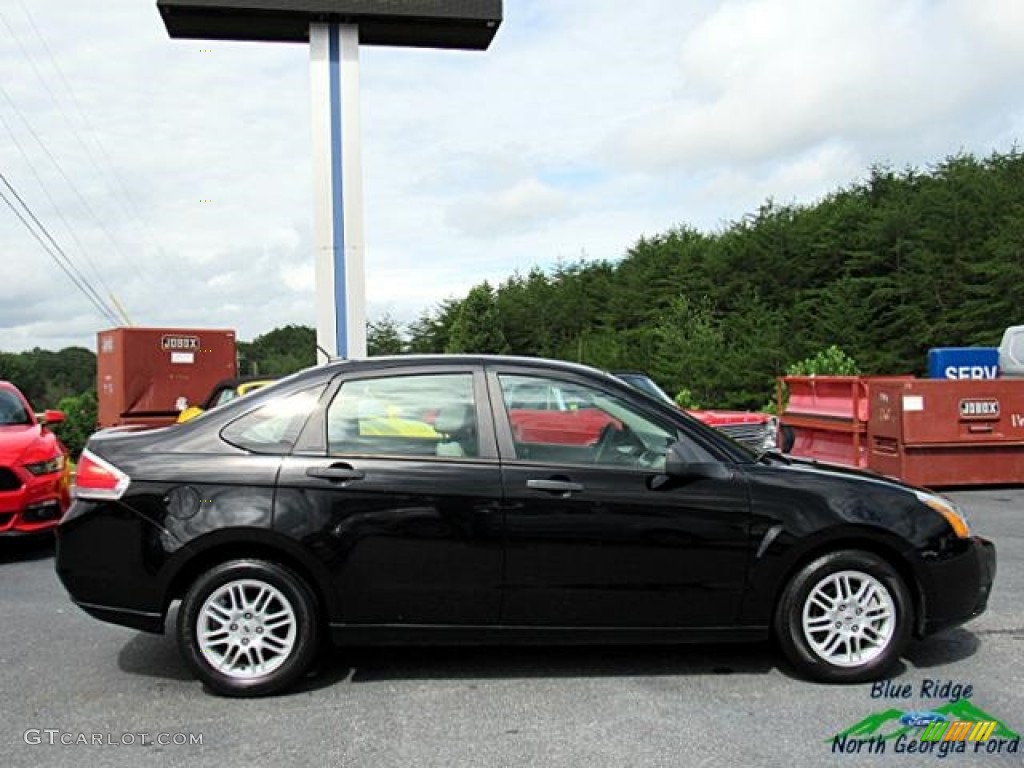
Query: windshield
[[12, 410], [646, 385]]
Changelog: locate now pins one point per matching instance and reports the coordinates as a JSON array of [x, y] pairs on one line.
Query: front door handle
[[336, 472], [563, 487]]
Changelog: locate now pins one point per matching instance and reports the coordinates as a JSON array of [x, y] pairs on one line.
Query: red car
[[34, 470], [556, 415], [758, 431]]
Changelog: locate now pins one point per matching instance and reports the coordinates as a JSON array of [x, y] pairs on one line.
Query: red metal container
[[148, 375], [828, 417], [938, 432], [834, 397]]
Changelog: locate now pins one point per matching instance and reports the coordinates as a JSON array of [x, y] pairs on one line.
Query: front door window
[[562, 422]]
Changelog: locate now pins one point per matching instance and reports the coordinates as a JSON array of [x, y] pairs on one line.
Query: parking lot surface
[[75, 691]]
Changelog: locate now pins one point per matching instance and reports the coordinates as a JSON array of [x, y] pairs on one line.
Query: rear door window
[[409, 415]]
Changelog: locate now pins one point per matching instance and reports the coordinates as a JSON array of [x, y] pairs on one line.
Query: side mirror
[[683, 460], [50, 416], [788, 438]]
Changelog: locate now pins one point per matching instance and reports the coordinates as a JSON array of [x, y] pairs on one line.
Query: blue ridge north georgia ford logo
[[956, 726]]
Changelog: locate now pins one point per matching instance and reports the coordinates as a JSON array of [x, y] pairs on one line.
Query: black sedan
[[493, 499]]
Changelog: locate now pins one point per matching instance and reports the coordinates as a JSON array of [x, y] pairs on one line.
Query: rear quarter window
[[273, 427]]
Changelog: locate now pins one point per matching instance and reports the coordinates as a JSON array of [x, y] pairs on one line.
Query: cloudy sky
[[177, 174]]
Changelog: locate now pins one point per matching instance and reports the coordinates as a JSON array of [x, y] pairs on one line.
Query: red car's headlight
[[56, 464]]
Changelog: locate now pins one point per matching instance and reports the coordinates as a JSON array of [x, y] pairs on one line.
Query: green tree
[[831, 361], [79, 421], [883, 268], [477, 328], [45, 377], [431, 331], [689, 346], [18, 369], [280, 352], [384, 337]]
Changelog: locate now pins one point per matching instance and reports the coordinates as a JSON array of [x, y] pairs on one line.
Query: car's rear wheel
[[248, 627], [845, 617]]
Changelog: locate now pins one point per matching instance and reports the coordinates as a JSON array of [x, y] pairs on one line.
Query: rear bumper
[[142, 620], [106, 563], [961, 585]]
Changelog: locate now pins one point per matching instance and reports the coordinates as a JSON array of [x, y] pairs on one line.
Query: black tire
[[881, 640], [286, 644]]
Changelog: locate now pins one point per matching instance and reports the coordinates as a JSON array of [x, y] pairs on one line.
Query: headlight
[[771, 440], [56, 464], [948, 510]]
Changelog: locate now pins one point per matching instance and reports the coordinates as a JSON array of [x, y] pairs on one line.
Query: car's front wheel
[[845, 617], [248, 627]]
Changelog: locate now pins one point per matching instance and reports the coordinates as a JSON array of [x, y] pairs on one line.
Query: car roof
[[387, 362], [392, 361], [236, 381], [8, 386]]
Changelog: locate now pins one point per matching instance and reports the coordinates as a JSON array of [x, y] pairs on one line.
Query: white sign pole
[[337, 192]]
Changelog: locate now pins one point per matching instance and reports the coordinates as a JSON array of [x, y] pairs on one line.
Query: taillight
[[99, 479]]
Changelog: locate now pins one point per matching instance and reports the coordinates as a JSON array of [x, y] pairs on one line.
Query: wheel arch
[[888, 550], [234, 544]]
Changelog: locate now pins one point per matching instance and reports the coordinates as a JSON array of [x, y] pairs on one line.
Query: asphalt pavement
[[78, 692]]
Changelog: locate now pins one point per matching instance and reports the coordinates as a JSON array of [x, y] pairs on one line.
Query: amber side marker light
[[953, 516]]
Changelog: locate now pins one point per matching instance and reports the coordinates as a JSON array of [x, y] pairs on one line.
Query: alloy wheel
[[848, 618], [246, 629]]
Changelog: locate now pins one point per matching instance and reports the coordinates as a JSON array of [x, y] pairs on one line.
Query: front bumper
[[960, 585], [35, 507]]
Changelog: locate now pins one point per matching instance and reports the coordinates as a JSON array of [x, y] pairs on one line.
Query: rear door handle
[[336, 472], [564, 487]]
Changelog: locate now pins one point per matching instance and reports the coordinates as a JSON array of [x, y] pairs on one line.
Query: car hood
[[835, 471], [16, 439], [717, 418]]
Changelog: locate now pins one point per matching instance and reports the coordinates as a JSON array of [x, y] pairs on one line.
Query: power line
[[60, 215], [53, 98], [76, 277], [74, 187], [63, 261], [42, 244], [46, 191], [124, 199]]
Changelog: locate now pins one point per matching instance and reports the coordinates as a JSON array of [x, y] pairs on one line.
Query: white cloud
[[526, 205], [764, 80], [581, 129]]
